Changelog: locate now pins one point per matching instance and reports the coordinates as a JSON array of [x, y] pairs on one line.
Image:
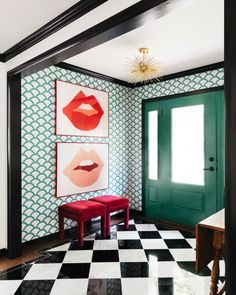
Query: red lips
[[84, 112]]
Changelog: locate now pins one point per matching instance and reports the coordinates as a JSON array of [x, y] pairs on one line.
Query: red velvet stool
[[81, 211], [113, 204]]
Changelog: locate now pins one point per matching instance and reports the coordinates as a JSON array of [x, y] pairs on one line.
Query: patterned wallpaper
[[39, 205]]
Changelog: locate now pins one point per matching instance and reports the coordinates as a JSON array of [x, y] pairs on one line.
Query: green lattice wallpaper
[[39, 205]]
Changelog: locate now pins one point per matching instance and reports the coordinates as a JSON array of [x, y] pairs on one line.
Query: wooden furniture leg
[[222, 290], [217, 244]]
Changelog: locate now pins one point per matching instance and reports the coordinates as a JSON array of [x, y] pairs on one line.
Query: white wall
[[3, 157]]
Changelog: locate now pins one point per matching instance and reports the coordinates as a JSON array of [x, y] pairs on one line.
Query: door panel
[[152, 194], [179, 197], [186, 138]]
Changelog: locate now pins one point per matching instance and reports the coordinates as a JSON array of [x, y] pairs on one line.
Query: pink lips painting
[[81, 167], [81, 110], [85, 168]]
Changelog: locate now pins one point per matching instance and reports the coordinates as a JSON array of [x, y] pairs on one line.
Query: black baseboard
[[90, 227], [3, 252], [136, 213], [69, 233]]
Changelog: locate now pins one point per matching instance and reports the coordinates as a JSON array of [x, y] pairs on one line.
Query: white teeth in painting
[[86, 163]]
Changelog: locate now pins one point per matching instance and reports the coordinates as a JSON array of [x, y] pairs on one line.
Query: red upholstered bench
[[81, 211], [113, 204]]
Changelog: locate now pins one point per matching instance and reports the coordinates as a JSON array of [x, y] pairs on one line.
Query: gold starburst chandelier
[[143, 68]]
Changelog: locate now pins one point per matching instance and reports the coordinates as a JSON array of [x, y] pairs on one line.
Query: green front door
[[183, 157]]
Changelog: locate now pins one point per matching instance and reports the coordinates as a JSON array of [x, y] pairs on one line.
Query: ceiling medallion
[[143, 68]]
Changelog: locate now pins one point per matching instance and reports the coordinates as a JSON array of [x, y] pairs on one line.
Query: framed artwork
[[81, 167], [80, 110]]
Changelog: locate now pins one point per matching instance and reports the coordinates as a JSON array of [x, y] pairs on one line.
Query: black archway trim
[[62, 20], [115, 26], [230, 145]]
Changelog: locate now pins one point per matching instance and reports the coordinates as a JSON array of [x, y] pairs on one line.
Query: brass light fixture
[[143, 68]]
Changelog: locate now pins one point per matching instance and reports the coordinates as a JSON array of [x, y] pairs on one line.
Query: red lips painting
[[80, 110], [81, 167], [84, 112]]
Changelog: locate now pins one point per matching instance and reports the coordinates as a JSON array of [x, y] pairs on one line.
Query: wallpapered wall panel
[[39, 205]]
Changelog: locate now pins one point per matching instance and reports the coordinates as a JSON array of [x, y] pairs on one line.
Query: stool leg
[[127, 218], [103, 226], [108, 223], [61, 226], [81, 233]]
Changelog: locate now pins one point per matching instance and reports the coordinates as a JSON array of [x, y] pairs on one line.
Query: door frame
[[161, 98]]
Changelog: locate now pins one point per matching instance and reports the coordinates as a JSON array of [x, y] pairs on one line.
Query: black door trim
[[230, 145], [14, 167]]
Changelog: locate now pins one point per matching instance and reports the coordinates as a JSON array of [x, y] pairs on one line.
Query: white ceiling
[[20, 18], [189, 35]]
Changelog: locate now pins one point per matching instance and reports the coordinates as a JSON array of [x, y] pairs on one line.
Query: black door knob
[[210, 169]]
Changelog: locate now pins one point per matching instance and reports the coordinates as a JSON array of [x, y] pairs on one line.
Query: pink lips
[[85, 168]]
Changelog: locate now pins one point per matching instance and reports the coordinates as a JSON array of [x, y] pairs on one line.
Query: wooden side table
[[210, 236]]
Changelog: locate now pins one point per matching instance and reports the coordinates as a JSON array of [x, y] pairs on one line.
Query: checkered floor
[[149, 259]]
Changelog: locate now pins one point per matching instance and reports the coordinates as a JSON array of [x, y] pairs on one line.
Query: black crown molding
[[2, 59], [65, 18], [93, 74], [198, 70]]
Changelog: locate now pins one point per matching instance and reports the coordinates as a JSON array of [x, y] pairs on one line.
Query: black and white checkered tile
[[148, 259]]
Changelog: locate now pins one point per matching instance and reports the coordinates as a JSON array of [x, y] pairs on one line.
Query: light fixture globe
[[142, 68]]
